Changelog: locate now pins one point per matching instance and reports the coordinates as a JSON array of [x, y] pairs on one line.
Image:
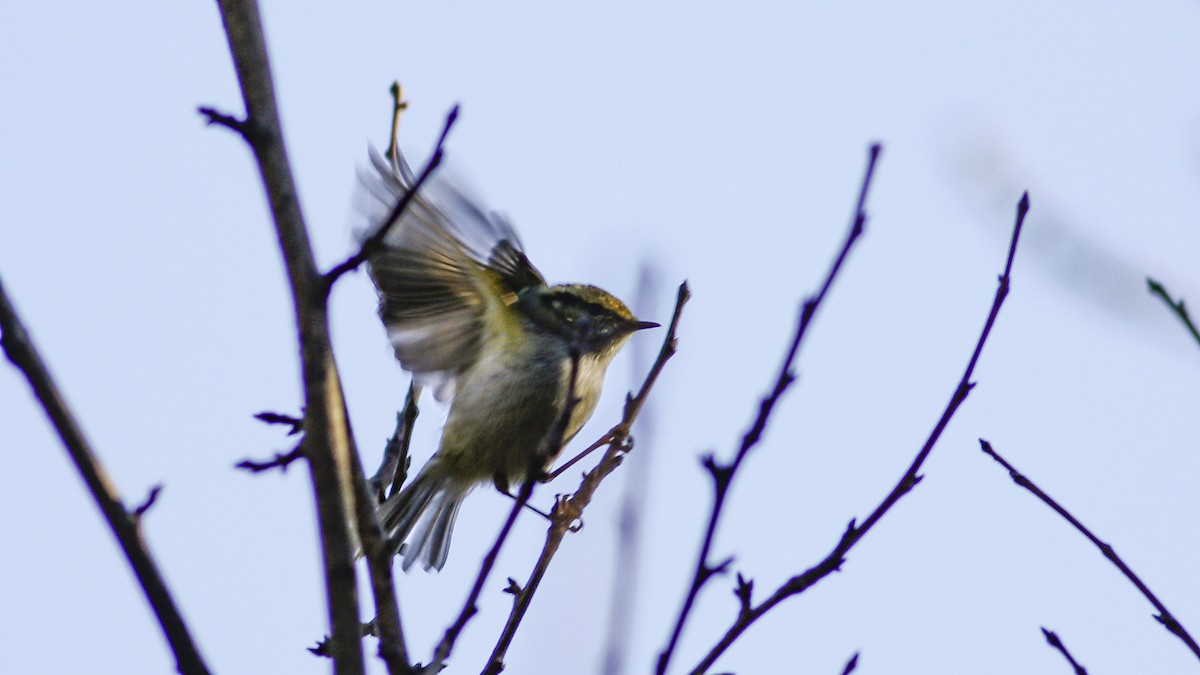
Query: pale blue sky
[[722, 142]]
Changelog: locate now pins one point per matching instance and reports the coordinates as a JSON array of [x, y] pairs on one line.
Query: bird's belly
[[503, 409]]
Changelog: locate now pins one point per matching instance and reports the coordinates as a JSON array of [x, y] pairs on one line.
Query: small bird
[[472, 318]]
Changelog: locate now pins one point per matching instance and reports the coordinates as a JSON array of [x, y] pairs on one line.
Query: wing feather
[[446, 271]]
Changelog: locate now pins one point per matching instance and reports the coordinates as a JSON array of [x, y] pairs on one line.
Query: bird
[[471, 318]]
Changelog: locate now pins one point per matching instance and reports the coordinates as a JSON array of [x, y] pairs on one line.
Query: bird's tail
[[421, 516]]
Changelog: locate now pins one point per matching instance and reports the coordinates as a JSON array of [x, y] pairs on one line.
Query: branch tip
[[142, 508], [851, 664]]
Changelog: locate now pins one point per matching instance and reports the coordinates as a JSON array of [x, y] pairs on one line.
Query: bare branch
[[386, 625], [327, 442], [21, 351], [1055, 642], [281, 461], [1176, 306], [723, 474], [1164, 616], [399, 105], [141, 509], [220, 119], [851, 664], [568, 510], [854, 532], [393, 469], [296, 423]]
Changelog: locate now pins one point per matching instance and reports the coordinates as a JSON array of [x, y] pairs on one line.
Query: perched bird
[[473, 319]]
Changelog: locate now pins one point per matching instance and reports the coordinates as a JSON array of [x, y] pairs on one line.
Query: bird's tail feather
[[422, 516]]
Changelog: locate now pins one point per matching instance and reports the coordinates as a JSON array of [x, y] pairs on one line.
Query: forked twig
[[722, 475], [1164, 616], [21, 351], [854, 532]]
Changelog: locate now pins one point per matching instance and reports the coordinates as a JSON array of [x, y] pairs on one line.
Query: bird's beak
[[643, 325]]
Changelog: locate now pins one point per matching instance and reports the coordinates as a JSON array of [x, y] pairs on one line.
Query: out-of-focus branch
[[722, 474], [1164, 616], [1176, 306], [21, 351], [854, 532], [627, 554], [537, 461], [851, 665], [327, 442], [569, 510], [1054, 641]]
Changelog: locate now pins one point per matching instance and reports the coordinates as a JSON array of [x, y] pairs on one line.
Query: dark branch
[[854, 532], [373, 242], [280, 461], [387, 624], [327, 443], [569, 510], [1176, 306], [851, 664], [141, 509], [393, 469], [1055, 642], [213, 117], [1164, 616], [723, 474], [296, 423], [19, 348]]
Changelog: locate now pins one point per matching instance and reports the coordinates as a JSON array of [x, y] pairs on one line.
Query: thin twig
[[722, 475], [296, 424], [215, 117], [1164, 616], [373, 242], [854, 533], [537, 461], [141, 509], [570, 509], [1176, 306], [399, 105], [281, 461], [851, 664], [393, 468], [21, 351], [327, 442], [1055, 642]]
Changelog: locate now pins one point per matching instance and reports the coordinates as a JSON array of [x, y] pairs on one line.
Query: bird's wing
[[447, 270]]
